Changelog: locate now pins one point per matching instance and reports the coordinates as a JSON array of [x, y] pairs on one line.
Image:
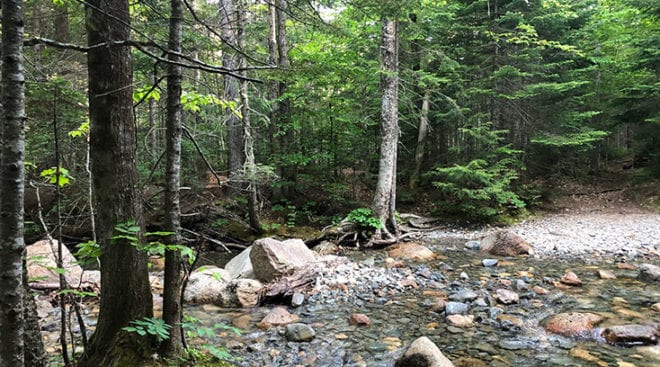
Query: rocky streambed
[[479, 309]]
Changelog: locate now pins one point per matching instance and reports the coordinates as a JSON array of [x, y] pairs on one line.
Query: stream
[[399, 303]]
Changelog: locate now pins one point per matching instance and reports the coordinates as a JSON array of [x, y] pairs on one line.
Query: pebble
[[299, 332], [489, 262], [455, 308]]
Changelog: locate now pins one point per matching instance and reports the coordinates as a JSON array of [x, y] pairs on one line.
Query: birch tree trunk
[[384, 204], [126, 294], [172, 308], [12, 177], [231, 94]]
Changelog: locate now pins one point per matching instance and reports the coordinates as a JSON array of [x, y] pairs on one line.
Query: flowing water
[[401, 311]]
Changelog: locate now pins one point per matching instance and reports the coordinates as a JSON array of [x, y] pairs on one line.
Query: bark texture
[[231, 94], [248, 141], [12, 175], [125, 291], [421, 140], [172, 311], [384, 203]]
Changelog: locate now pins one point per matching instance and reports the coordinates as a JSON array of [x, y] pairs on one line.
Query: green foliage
[[61, 178], [478, 190], [82, 130], [193, 330], [364, 219], [129, 231], [584, 139], [88, 252], [150, 326]]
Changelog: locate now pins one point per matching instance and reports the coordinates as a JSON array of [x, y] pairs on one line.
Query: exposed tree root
[[350, 234]]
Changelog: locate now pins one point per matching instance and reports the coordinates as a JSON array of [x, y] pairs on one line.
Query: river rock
[[649, 273], [473, 245], [423, 353], [299, 332], [573, 324], [506, 297], [540, 290], [489, 262], [240, 266], [327, 248], [297, 299], [505, 243], [464, 295], [360, 319], [410, 251], [41, 264], [461, 320], [277, 316], [248, 292], [570, 278], [206, 285], [632, 334], [272, 259], [606, 274], [456, 308]]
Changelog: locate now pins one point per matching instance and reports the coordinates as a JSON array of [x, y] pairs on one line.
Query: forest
[[141, 128]]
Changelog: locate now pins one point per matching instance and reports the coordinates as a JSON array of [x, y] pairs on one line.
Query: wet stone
[[464, 295], [299, 332], [570, 278], [455, 308], [606, 274], [514, 344], [297, 299], [506, 297], [489, 262]]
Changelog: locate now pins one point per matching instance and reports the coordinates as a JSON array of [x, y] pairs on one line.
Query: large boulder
[[505, 243], [272, 259], [41, 265], [423, 353], [207, 285], [573, 324], [241, 266]]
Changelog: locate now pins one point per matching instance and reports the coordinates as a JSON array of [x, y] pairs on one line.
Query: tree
[[12, 176], [250, 166], [234, 128], [126, 294], [172, 308], [384, 203]]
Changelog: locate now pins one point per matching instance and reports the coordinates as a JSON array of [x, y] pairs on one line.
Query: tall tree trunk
[[234, 128], [172, 310], [61, 20], [153, 124], [35, 355], [126, 294], [288, 170], [384, 203], [12, 178], [421, 140], [250, 164], [273, 92]]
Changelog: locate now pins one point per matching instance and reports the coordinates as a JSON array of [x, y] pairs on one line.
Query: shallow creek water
[[400, 312]]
